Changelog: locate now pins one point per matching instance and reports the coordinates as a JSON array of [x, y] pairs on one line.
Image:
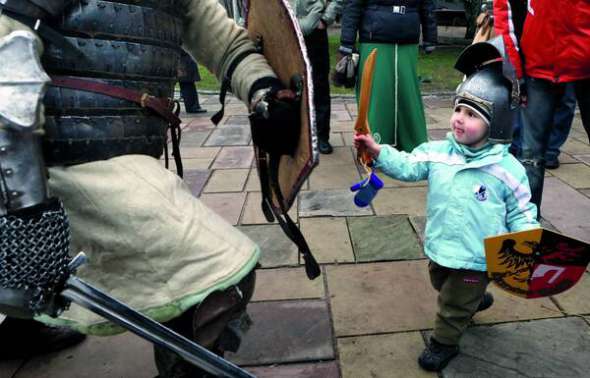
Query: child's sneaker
[[436, 355], [486, 302]]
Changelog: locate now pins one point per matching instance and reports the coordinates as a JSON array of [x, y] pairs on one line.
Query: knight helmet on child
[[490, 89]]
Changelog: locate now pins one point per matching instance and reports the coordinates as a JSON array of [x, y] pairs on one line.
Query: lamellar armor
[[102, 87]]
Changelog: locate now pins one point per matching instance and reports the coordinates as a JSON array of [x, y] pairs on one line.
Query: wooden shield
[[274, 23], [536, 263]]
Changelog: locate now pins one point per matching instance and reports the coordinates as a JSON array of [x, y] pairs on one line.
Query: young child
[[476, 189]]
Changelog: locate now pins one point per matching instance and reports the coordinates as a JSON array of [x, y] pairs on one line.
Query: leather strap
[[269, 184], [164, 107]]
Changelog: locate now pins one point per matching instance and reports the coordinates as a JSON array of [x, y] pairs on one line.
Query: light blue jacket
[[472, 194]]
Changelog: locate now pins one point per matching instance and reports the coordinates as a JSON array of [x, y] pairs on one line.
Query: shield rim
[[314, 153]]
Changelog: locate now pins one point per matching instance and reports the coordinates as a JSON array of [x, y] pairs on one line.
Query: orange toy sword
[[362, 123], [367, 189]]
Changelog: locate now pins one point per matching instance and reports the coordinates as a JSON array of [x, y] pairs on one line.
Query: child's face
[[468, 128]]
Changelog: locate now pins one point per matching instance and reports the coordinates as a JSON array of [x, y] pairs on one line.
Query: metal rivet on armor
[[8, 172], [14, 194], [3, 149]]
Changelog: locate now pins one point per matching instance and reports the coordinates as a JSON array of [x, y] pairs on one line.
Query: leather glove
[[275, 116], [346, 70]]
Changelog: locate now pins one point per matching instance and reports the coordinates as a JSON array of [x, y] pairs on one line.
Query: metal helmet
[[489, 87]]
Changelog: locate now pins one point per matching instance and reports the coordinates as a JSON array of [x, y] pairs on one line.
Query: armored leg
[[217, 323]]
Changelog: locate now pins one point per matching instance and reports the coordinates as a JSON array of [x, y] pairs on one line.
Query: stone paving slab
[[317, 370], [583, 158], [229, 136], [341, 155], [541, 348], [384, 238], [328, 239], [381, 297], [411, 201], [192, 138], [253, 183], [227, 180], [508, 308], [283, 284], [253, 211], [575, 147], [227, 205], [205, 153], [196, 179], [352, 107], [565, 158], [569, 216], [234, 157], [336, 139], [198, 124], [586, 192], [575, 175], [335, 203], [340, 176], [342, 126], [386, 356], [286, 331], [347, 136], [341, 115], [124, 355], [276, 249], [419, 224], [241, 120], [577, 299], [9, 367]]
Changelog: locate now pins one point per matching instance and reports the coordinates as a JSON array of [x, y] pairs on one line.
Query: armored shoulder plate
[[22, 82]]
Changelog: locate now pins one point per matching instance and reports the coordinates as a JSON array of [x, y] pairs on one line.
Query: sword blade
[[119, 313]]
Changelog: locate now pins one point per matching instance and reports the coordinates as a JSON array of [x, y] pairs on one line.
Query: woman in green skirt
[[396, 113]]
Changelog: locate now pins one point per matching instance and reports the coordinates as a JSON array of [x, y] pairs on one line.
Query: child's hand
[[367, 142]]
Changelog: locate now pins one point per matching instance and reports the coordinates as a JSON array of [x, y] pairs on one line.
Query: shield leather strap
[[164, 107], [268, 170]]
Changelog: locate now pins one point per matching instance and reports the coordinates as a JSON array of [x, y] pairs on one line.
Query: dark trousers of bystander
[[537, 123], [319, 56]]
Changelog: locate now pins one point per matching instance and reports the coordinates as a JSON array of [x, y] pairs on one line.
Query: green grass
[[435, 70]]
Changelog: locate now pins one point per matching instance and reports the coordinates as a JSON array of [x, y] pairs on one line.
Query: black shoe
[[486, 302], [196, 109], [436, 355], [552, 164], [325, 147], [29, 338]]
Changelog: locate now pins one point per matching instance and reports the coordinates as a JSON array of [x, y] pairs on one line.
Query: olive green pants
[[459, 294]]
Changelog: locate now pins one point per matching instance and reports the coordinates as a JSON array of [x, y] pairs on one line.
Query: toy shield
[[273, 23], [536, 263]]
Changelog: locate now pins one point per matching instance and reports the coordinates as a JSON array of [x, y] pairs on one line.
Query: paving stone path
[[372, 309]]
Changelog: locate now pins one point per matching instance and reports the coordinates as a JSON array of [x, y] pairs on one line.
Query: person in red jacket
[[548, 43]]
